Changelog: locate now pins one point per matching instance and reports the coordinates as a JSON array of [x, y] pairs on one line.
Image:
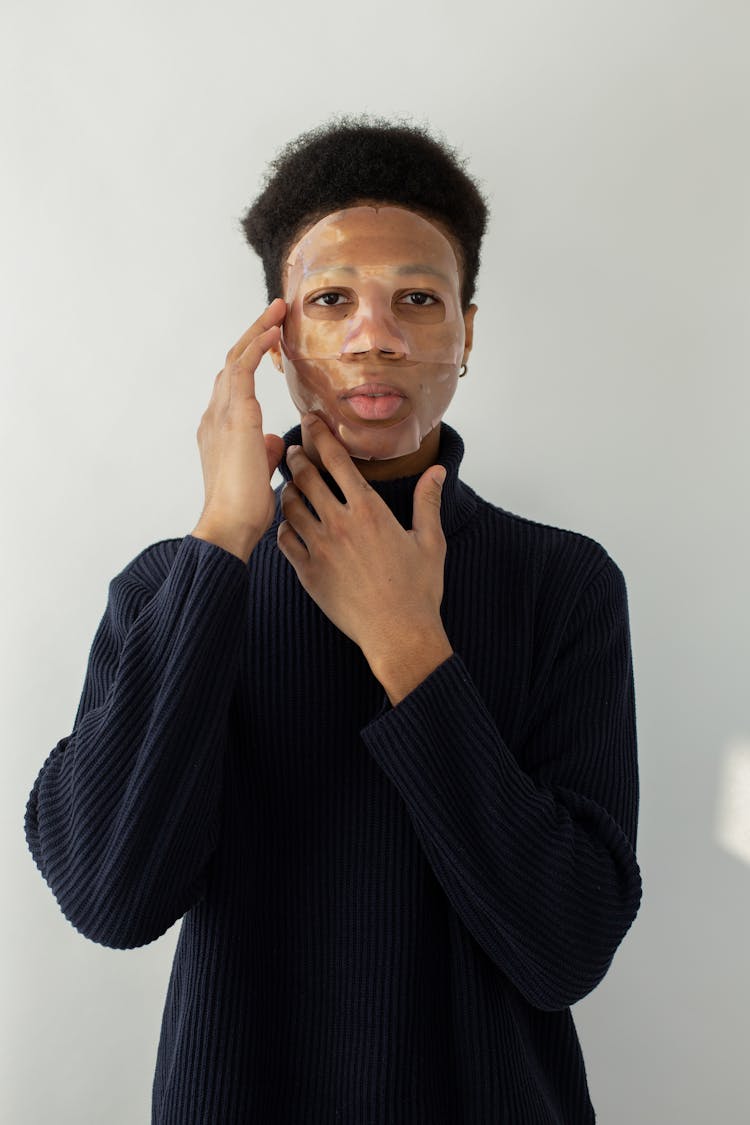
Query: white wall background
[[607, 393]]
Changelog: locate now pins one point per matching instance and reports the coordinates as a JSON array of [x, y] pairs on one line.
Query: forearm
[[544, 878], [122, 817], [533, 844]]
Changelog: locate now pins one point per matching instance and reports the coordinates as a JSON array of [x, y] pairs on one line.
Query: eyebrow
[[415, 267]]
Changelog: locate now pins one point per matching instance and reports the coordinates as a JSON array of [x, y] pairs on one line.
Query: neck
[[457, 502]]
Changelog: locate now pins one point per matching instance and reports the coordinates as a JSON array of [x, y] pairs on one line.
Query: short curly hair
[[355, 159]]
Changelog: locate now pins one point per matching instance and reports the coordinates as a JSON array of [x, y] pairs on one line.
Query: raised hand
[[238, 460], [380, 584]]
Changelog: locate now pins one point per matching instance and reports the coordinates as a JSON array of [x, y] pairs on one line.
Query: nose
[[374, 327]]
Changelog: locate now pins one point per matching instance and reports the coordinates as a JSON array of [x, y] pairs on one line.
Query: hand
[[238, 460], [380, 584]]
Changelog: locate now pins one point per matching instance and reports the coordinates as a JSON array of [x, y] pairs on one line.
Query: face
[[374, 336]]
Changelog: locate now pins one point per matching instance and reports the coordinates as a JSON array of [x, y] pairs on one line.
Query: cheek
[[311, 385], [436, 392], [306, 336], [450, 341], [296, 328]]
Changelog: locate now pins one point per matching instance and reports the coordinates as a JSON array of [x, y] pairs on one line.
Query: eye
[[422, 303], [327, 304]]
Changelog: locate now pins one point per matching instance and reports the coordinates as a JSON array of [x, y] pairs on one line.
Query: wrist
[[409, 659]]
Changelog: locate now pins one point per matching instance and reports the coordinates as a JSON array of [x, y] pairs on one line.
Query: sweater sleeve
[[123, 816], [539, 865]]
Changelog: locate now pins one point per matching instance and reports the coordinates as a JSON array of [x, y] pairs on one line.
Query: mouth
[[374, 402], [373, 390]]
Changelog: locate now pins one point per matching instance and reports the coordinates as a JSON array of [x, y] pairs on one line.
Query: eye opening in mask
[[337, 293], [426, 312]]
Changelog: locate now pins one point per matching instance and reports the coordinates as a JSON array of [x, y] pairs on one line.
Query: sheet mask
[[414, 348]]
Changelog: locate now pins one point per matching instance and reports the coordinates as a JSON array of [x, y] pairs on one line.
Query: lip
[[373, 389]]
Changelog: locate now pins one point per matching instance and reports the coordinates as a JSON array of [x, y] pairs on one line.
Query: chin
[[379, 445]]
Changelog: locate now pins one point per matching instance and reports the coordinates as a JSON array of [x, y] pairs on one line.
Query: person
[[370, 736]]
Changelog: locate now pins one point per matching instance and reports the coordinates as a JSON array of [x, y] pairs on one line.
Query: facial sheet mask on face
[[373, 302]]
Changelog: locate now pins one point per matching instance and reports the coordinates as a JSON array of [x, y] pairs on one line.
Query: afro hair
[[354, 159]]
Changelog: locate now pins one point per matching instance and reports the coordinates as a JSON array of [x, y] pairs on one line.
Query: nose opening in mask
[[378, 355], [369, 333]]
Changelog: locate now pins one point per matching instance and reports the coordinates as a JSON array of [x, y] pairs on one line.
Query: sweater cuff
[[444, 681], [205, 547], [421, 733]]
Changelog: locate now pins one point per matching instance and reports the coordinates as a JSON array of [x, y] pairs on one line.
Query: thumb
[[427, 497]]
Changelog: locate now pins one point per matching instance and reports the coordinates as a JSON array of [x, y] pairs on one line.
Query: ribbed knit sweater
[[387, 911]]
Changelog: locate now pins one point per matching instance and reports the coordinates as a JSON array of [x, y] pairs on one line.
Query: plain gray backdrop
[[607, 393]]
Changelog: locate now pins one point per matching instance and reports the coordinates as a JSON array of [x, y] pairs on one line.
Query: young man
[[371, 735]]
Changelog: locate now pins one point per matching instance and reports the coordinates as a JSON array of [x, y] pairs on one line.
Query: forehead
[[372, 235]]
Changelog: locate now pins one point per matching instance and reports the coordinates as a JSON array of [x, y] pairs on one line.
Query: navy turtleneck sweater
[[387, 911]]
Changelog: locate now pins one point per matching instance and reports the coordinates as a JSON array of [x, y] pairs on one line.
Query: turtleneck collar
[[457, 503]]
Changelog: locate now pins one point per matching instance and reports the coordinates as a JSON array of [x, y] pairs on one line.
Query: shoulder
[[546, 548], [186, 556], [148, 569], [576, 587]]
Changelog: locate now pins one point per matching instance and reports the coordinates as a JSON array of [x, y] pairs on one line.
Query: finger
[[427, 500], [235, 383], [290, 546], [244, 357], [272, 314], [309, 481], [335, 458], [300, 517], [242, 369]]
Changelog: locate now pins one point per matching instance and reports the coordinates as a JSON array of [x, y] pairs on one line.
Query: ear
[[469, 325], [277, 357], [275, 353]]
